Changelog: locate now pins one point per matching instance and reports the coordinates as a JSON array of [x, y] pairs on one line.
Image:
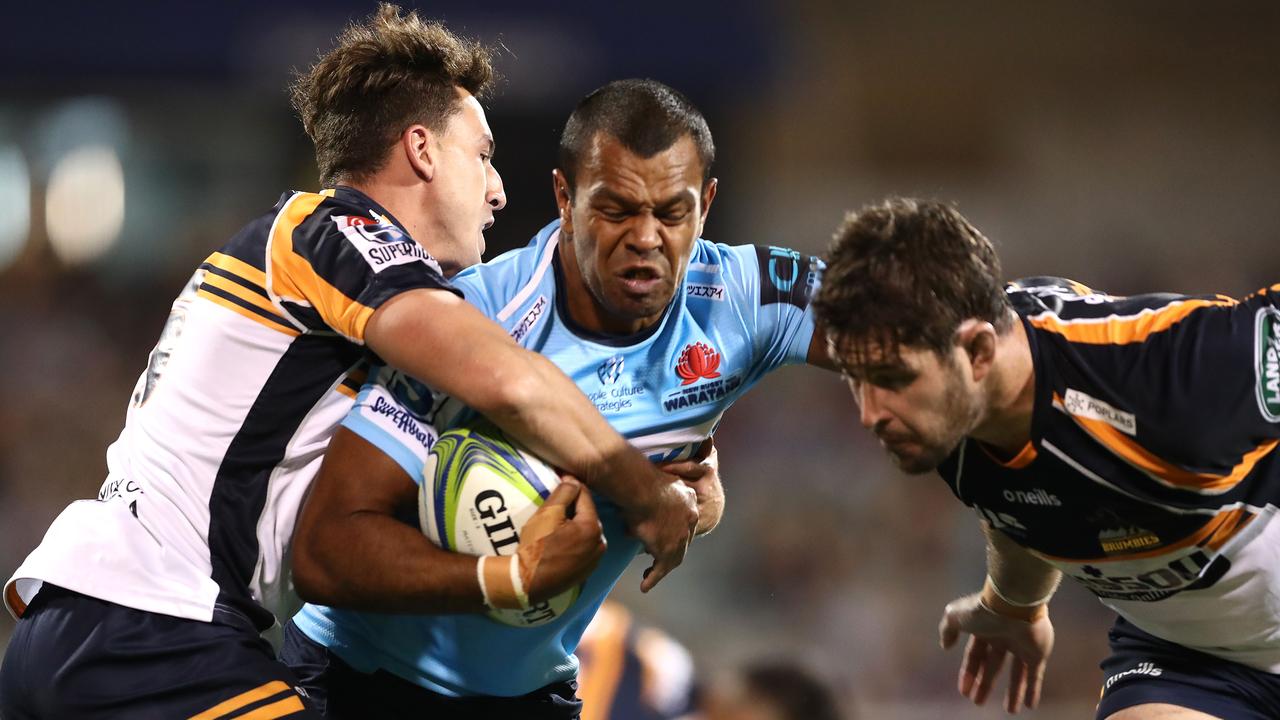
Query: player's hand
[[562, 543], [991, 638], [702, 473], [665, 526]]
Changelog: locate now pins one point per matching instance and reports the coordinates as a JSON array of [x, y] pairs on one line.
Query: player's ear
[[418, 146], [978, 339], [708, 194], [564, 200]]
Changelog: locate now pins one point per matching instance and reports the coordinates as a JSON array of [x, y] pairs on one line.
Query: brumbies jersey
[[741, 312], [1151, 476], [254, 369]]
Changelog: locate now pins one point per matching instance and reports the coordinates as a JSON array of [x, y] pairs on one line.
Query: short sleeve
[[330, 268], [396, 414], [773, 287]]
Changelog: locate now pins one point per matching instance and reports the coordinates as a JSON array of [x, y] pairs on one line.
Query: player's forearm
[[1017, 581], [373, 562], [442, 341]]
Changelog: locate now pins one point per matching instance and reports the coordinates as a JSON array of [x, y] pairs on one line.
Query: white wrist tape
[[517, 584], [1015, 603], [484, 591]]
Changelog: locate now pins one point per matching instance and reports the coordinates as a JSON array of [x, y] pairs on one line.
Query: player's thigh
[[1160, 711], [86, 659]]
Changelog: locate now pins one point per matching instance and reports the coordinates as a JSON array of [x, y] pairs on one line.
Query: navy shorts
[[1145, 669], [343, 693], [74, 657]]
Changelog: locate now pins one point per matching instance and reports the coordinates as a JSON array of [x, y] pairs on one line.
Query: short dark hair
[[646, 116], [385, 73], [907, 272]]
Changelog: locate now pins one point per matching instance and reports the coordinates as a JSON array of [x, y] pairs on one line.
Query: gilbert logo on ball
[[478, 490]]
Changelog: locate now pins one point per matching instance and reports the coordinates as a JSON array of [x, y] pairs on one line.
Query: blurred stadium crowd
[[1130, 146]]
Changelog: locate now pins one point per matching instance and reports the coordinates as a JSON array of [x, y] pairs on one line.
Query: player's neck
[[402, 199], [1011, 399]]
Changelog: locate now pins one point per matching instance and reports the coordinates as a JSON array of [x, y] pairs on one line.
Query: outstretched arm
[[441, 340], [350, 549], [1010, 616]]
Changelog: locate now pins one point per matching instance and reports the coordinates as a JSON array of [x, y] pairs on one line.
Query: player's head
[[633, 188], [912, 302], [771, 690], [396, 104]]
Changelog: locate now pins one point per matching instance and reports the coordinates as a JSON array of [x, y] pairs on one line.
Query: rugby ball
[[478, 490]]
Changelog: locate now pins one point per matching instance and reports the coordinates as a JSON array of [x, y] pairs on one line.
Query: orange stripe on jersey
[[226, 707], [347, 391], [292, 277], [1236, 521], [246, 312], [242, 292], [239, 267], [15, 600], [1025, 456], [278, 709], [1117, 330], [602, 672], [1165, 472], [1214, 533]]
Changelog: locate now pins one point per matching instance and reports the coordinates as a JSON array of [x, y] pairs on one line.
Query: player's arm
[[438, 338], [702, 473], [1009, 616], [351, 550], [818, 355]]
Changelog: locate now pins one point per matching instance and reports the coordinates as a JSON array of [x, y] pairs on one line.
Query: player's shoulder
[[1052, 299], [760, 274], [505, 276]]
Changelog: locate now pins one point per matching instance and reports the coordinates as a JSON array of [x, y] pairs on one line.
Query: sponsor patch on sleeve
[[382, 244], [786, 276], [1267, 362]]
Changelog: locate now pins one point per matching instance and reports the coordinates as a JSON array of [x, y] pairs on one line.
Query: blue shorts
[[75, 657], [1143, 668], [343, 693]]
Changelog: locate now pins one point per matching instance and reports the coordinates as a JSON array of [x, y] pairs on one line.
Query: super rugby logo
[[382, 244], [697, 361], [1267, 365]]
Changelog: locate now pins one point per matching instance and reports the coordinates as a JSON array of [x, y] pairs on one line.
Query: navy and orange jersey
[[260, 359], [1151, 476], [632, 672]]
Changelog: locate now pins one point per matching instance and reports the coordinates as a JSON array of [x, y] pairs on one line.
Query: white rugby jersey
[[259, 361]]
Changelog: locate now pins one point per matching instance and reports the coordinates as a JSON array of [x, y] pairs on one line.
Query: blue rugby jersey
[[741, 312], [1151, 477]]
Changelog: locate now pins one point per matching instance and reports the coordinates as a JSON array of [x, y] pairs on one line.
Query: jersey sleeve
[[773, 288], [330, 268], [396, 414]]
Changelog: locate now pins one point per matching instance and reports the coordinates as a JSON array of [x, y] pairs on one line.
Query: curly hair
[[906, 273], [385, 73]]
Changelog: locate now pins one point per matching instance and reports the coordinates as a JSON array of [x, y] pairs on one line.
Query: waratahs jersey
[[740, 312], [1152, 476], [259, 361]]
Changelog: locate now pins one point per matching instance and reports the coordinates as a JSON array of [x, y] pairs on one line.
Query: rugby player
[[148, 601], [662, 329], [1125, 442]]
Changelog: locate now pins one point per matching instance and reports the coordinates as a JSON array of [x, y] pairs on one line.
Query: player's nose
[[496, 194], [871, 412]]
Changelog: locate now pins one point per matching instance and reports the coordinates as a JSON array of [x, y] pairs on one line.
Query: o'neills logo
[[1143, 668], [1267, 351], [698, 360], [1035, 496]]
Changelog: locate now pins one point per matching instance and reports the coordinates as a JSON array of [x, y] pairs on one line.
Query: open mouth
[[640, 280]]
